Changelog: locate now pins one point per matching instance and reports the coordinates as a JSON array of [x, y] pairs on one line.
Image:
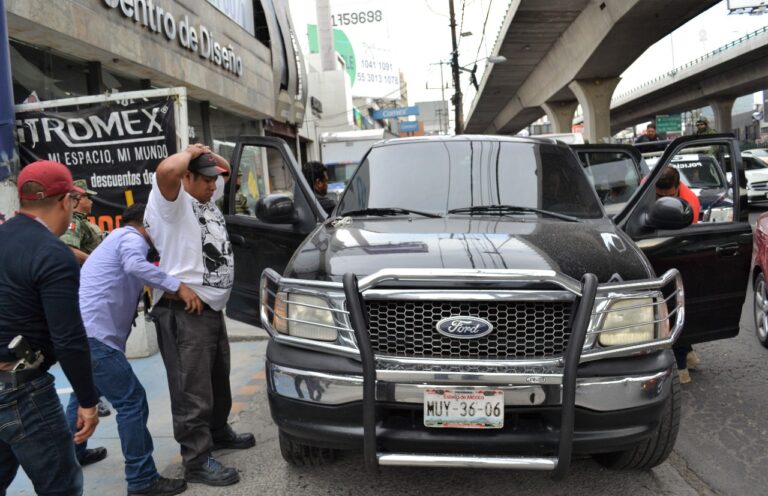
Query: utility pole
[[325, 35], [457, 97]]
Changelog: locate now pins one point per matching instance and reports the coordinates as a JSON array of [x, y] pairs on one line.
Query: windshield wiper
[[509, 209], [383, 212]]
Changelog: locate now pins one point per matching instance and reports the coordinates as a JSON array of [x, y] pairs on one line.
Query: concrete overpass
[[715, 79], [561, 53]]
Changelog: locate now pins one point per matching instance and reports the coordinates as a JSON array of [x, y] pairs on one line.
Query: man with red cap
[[39, 281]]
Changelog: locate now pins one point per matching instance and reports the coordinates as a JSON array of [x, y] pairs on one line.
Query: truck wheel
[[303, 455], [654, 450], [760, 309]]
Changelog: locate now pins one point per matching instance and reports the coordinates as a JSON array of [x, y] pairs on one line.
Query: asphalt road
[[720, 449]]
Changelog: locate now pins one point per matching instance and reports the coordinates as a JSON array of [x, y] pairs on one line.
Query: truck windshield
[[451, 177]]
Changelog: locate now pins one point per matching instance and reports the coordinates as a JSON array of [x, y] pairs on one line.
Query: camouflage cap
[[83, 184]]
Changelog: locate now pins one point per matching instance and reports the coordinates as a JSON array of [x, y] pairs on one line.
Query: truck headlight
[[304, 316], [633, 320]]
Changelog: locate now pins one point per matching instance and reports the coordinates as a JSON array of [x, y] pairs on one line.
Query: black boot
[[162, 487], [231, 440], [92, 456], [212, 473]]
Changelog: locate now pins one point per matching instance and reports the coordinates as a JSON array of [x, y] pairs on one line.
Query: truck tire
[[304, 455], [654, 450]]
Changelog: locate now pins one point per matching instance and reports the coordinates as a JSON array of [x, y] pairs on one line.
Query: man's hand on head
[[197, 149]]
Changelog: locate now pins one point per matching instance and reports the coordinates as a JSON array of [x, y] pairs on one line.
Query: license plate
[[464, 408]]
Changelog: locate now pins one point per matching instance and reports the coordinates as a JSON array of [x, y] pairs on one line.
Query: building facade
[[239, 59]]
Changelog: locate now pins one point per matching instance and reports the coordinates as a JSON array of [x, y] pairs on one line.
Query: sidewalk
[[248, 346]]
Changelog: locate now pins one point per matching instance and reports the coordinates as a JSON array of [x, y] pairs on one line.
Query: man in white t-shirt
[[189, 233]]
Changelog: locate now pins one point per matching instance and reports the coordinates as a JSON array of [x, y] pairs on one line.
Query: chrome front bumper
[[599, 394]]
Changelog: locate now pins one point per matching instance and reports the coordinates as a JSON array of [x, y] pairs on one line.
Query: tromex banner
[[115, 146]]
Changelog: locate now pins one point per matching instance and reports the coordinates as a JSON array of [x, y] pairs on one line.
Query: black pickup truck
[[470, 303]]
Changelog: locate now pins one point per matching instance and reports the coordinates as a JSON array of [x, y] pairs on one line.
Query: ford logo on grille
[[464, 327]]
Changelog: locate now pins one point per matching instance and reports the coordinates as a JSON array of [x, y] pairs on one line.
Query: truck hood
[[365, 246]]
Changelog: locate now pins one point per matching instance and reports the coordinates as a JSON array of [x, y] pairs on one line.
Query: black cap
[[206, 165]]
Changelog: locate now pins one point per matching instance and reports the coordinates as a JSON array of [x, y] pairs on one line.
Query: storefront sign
[[392, 113], [409, 126], [197, 39], [115, 147]]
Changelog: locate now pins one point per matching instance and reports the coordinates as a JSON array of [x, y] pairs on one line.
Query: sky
[[420, 38]]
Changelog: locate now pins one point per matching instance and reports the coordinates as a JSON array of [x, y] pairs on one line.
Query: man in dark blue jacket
[[39, 280]]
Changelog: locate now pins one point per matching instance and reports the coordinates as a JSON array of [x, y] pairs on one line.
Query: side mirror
[[669, 213], [276, 209]]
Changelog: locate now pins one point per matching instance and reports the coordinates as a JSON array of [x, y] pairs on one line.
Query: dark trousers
[[195, 351], [34, 433], [681, 355]]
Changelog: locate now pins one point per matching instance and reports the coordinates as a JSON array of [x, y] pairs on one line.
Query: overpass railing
[[691, 63]]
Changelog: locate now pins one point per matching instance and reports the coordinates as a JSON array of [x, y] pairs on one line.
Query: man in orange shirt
[[669, 184]]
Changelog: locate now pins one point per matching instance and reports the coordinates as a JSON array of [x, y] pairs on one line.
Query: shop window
[[45, 73]]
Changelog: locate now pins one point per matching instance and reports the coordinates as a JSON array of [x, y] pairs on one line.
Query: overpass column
[[594, 95], [560, 114], [722, 108]]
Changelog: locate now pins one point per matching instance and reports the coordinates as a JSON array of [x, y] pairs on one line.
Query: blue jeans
[[34, 433], [115, 379]]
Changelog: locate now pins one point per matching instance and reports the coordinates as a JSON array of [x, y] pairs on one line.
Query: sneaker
[[235, 441], [162, 487], [212, 473], [103, 410], [692, 360], [685, 377], [92, 456]]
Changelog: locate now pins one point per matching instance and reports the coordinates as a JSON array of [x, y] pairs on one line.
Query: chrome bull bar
[[559, 465], [592, 303]]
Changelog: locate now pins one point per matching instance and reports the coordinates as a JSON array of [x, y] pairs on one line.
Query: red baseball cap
[[54, 177]]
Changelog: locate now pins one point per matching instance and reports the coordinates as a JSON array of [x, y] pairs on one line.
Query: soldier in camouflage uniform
[[241, 202], [82, 236]]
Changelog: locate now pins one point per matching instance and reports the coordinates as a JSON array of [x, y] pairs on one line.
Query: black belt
[[10, 379], [179, 304]]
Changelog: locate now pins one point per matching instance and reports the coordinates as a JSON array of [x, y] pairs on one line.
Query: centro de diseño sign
[[159, 20]]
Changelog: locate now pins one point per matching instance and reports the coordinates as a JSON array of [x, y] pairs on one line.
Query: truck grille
[[521, 330]]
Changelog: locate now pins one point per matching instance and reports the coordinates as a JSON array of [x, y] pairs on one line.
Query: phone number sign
[[361, 37]]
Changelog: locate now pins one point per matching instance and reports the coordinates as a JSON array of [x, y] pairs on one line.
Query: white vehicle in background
[[758, 153], [756, 171], [342, 152]]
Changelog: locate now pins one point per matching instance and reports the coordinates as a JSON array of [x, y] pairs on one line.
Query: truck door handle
[[728, 250], [237, 239]]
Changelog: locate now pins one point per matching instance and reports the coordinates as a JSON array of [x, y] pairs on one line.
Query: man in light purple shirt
[[111, 282]]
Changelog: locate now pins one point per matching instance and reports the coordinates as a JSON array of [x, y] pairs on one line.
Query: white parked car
[[757, 177], [758, 153]]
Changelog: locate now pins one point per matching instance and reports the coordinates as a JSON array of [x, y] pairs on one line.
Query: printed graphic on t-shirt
[[218, 263]]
